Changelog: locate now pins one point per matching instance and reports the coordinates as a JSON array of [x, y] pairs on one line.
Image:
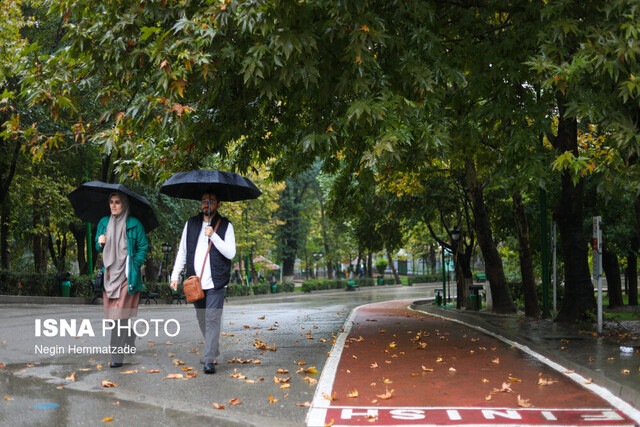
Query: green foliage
[[424, 279], [381, 265], [260, 289], [237, 290]]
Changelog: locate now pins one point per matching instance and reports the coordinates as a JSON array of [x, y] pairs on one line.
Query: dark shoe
[[209, 368], [115, 364]]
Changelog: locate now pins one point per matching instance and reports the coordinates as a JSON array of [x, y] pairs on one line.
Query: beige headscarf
[[114, 254]]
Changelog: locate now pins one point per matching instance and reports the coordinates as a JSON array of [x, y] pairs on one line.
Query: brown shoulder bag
[[191, 286]]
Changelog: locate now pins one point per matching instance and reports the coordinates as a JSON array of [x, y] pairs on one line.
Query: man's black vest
[[220, 265]]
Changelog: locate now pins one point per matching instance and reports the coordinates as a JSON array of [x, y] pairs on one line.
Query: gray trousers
[[122, 339], [209, 315]]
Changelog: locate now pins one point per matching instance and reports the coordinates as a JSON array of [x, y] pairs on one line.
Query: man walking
[[206, 229]]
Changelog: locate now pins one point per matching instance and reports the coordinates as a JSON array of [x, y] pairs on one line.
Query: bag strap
[[208, 249]]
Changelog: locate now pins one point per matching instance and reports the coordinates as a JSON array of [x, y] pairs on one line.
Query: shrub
[[260, 289], [287, 287], [381, 265], [237, 290]]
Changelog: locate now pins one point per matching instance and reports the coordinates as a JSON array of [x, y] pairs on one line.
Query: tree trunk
[[632, 277], [464, 276], [432, 259], [39, 238], [396, 276], [632, 259], [370, 265], [325, 241], [502, 301], [5, 184], [80, 234], [611, 269], [578, 299], [531, 308], [5, 256]]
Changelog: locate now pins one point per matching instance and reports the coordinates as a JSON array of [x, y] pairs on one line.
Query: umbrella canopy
[[90, 202], [227, 186]]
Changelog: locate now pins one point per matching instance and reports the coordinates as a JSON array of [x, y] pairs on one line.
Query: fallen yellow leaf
[[107, 383], [71, 377], [353, 393], [310, 380], [235, 401], [524, 402], [107, 420], [215, 405], [133, 371], [174, 377], [387, 395], [272, 399], [331, 398]]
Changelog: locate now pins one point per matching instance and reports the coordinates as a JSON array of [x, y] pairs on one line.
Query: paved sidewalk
[[590, 356]]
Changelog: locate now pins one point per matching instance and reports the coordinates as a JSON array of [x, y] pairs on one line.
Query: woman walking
[[122, 240]]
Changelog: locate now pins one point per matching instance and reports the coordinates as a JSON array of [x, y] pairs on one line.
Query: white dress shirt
[[227, 248]]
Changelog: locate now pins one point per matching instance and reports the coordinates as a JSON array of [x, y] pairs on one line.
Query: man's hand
[[102, 240], [208, 231], [174, 285]]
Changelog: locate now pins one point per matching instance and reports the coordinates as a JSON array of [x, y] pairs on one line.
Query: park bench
[[479, 277], [178, 297], [147, 295], [352, 285]]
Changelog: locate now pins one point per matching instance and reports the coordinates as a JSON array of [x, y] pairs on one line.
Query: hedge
[[322, 285], [35, 284]]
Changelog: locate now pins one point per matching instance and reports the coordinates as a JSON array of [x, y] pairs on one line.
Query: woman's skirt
[[123, 307]]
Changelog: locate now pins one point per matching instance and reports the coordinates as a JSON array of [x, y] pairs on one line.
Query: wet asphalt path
[[300, 328]]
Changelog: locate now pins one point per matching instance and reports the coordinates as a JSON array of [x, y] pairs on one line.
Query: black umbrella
[[227, 186], [90, 202]]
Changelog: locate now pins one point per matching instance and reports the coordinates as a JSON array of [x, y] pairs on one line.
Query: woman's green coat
[[137, 248]]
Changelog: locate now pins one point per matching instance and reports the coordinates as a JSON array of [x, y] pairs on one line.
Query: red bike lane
[[396, 366]]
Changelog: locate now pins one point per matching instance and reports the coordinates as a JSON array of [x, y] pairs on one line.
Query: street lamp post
[[166, 249], [455, 239], [318, 257], [246, 241]]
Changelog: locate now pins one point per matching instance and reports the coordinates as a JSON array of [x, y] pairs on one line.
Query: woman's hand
[[102, 239], [174, 285]]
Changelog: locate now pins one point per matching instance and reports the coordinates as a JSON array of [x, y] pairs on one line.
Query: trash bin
[[438, 299], [66, 287], [380, 281], [60, 278], [475, 302], [274, 287], [475, 298]]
